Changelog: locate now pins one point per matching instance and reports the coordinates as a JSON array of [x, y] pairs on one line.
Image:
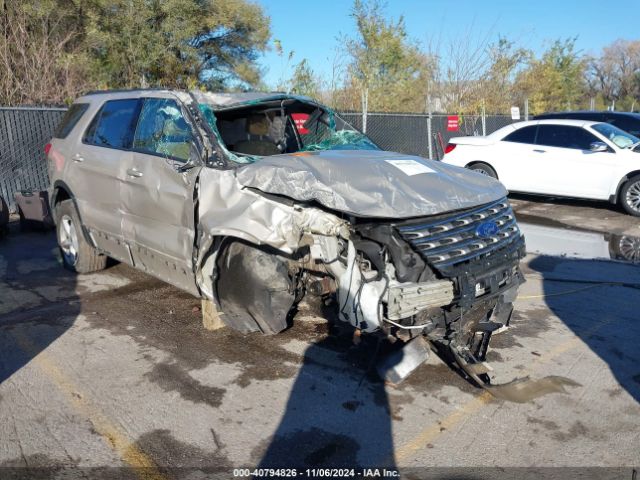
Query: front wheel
[[77, 254], [483, 169], [630, 196]]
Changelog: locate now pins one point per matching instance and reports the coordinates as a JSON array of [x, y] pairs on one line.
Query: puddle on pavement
[[548, 237], [523, 390]]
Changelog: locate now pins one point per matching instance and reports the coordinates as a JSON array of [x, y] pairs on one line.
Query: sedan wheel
[[629, 248], [633, 196], [483, 169], [630, 196]]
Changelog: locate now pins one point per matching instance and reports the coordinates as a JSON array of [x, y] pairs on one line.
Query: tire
[[483, 169], [625, 247], [77, 254], [630, 196]]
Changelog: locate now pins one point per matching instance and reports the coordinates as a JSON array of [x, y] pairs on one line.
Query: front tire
[[77, 254], [630, 196], [483, 169]]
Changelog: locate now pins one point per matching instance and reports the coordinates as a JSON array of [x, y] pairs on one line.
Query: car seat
[[257, 142]]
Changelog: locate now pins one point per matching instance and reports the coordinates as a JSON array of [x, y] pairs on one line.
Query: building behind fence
[[25, 131]]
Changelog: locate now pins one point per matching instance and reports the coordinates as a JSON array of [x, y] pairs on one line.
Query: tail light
[[449, 147], [47, 147]]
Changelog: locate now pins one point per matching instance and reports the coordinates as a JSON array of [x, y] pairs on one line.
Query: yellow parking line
[[144, 467], [429, 434]]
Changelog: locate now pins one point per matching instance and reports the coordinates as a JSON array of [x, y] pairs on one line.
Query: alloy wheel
[[632, 198], [68, 239], [629, 248]]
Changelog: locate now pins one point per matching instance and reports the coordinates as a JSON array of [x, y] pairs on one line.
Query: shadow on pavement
[[38, 299], [598, 301], [337, 416]]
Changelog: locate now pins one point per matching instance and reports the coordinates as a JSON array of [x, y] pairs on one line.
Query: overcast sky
[[310, 28]]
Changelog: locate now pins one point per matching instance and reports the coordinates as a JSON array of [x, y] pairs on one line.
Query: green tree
[[556, 81], [177, 43], [285, 62], [42, 57], [304, 81], [52, 50], [506, 60], [386, 67]]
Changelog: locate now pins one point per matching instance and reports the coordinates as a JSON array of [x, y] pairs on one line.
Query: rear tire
[[483, 169], [77, 254], [630, 196]]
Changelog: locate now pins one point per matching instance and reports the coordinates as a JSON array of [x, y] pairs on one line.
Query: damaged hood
[[371, 183]]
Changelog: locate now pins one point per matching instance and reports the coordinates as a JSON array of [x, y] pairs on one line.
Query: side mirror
[[598, 147]]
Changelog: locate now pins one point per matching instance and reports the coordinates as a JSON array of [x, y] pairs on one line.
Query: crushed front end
[[450, 278]]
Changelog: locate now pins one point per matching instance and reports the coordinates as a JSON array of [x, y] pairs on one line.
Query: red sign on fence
[[299, 119], [452, 123]]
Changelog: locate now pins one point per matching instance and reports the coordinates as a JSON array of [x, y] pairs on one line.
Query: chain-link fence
[[423, 134], [25, 131], [23, 134]]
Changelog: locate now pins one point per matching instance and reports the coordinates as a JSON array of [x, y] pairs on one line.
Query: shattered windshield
[[253, 130]]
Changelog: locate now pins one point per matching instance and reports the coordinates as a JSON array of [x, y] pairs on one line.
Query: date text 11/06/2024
[[316, 473]]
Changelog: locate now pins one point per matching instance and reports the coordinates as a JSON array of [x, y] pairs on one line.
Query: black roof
[[587, 113]]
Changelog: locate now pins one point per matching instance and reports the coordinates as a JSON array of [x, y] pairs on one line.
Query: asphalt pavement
[[112, 374]]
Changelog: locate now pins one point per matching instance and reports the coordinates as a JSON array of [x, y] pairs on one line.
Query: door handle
[[538, 150], [133, 172], [78, 158]]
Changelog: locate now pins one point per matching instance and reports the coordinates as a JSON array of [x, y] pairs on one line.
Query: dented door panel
[[158, 217]]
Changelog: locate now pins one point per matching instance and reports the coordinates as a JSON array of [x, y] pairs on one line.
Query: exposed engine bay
[[434, 278]]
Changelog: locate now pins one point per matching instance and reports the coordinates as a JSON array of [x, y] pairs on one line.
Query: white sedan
[[572, 158]]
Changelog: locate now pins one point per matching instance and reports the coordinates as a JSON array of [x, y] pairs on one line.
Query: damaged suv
[[253, 200]]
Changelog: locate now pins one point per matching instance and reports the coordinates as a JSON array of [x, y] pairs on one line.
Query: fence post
[[365, 108], [484, 120], [429, 127], [430, 135]]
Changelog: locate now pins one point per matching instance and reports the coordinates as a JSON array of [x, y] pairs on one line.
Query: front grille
[[453, 239]]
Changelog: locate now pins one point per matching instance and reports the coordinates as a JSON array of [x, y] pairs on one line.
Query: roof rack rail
[[125, 90]]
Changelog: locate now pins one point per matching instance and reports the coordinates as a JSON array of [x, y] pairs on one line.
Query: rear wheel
[[483, 169], [77, 254], [630, 196]]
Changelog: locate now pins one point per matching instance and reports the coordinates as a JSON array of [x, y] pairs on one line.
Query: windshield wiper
[[633, 145]]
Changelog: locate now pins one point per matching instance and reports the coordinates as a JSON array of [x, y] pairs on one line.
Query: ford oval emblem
[[487, 229]]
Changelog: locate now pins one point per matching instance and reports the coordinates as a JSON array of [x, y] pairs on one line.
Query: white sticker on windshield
[[410, 167]]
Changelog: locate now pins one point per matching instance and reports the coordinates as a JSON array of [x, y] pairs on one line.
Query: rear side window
[[565, 137], [522, 135], [113, 126], [73, 115]]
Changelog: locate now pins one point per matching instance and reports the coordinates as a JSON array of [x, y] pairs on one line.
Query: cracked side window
[[162, 130]]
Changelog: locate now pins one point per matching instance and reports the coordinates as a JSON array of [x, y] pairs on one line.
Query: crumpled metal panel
[[371, 183], [227, 209]]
